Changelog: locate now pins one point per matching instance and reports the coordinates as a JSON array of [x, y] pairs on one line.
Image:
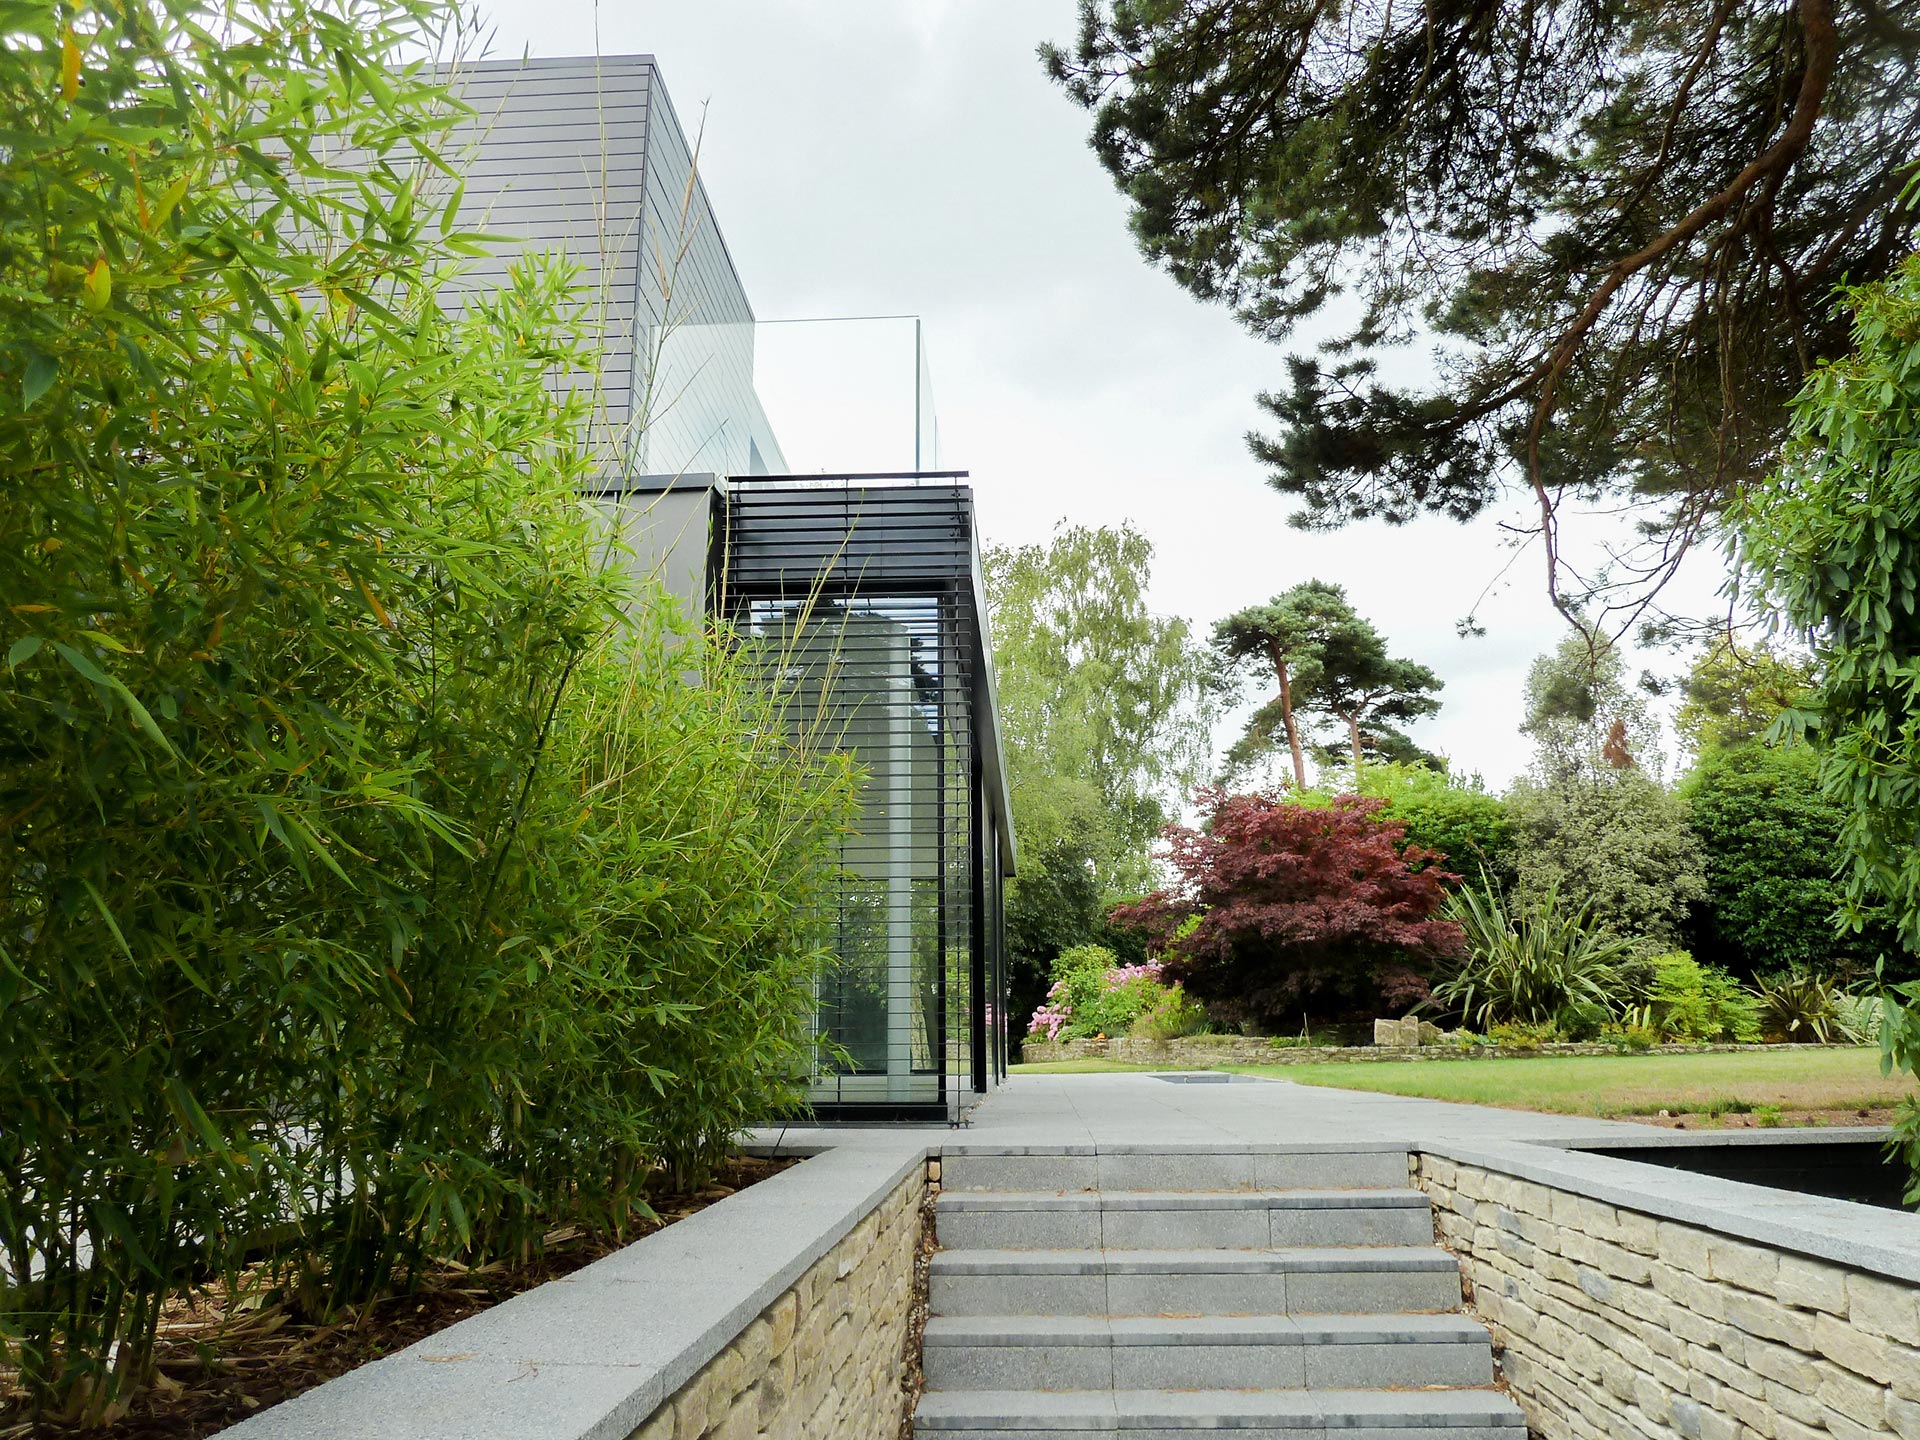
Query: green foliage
[[1621, 841], [1687, 1001], [1452, 817], [1584, 720], [1771, 841], [1733, 693], [1172, 1015], [1616, 225], [1831, 540], [1054, 905], [1799, 1007], [1635, 1039], [369, 878], [1524, 1034], [1859, 1017], [1283, 638], [1103, 704], [1900, 1050], [1541, 964], [1370, 693], [1457, 819], [1104, 711]]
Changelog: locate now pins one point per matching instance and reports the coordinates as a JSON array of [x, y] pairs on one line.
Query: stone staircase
[[1157, 1293]]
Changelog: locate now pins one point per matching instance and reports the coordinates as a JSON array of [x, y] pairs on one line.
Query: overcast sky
[[910, 156]]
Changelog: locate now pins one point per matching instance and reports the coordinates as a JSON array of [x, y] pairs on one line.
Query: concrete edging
[[593, 1355]]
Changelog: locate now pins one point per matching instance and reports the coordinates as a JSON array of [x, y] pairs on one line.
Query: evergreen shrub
[[1687, 1001]]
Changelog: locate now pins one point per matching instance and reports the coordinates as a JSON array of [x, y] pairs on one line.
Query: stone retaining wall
[[1616, 1323], [826, 1360], [1202, 1050]]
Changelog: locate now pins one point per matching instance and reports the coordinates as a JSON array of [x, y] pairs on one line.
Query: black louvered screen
[[859, 599]]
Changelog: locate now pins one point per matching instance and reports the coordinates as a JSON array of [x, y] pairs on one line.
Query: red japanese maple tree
[[1299, 909]]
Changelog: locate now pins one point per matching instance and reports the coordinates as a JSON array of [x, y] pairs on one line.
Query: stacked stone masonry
[[1202, 1050], [826, 1360], [1616, 1324]]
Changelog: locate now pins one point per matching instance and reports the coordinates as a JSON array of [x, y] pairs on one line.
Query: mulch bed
[[221, 1357], [912, 1380]]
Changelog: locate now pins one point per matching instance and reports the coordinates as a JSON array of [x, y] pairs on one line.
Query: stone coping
[[592, 1356], [1863, 1237]]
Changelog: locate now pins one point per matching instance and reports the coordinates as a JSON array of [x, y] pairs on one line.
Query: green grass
[[1786, 1080]]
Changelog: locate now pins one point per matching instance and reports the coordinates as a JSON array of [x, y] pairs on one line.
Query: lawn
[[1824, 1083]]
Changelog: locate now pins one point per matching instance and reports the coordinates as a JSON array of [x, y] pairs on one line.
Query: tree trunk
[[1286, 718], [1353, 733]]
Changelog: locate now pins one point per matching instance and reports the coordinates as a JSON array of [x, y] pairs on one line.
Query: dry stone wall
[[1615, 1323], [1201, 1050], [824, 1361]]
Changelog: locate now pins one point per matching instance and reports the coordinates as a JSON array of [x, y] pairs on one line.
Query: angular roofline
[[658, 95]]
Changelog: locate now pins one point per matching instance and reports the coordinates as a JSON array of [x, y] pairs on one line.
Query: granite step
[[1267, 1352], [1149, 1219], [1155, 1292], [1035, 1168], [1381, 1279], [1477, 1414]]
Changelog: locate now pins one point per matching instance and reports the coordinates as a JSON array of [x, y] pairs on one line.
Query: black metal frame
[[844, 542]]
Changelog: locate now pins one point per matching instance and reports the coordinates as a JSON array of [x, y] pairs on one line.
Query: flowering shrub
[[1054, 1014], [1093, 995]]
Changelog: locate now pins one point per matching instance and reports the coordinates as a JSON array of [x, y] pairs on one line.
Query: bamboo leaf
[[38, 378], [89, 671]]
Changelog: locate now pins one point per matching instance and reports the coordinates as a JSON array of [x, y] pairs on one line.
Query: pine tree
[[1618, 227], [1325, 660]]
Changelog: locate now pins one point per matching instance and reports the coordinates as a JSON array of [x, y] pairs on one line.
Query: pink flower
[[1122, 974], [1054, 1014]]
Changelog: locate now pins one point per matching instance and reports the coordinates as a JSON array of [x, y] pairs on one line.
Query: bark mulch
[[223, 1356], [912, 1380]]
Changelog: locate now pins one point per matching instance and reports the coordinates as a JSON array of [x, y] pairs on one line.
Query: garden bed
[[222, 1357]]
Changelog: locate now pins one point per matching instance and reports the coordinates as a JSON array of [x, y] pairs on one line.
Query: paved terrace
[[1143, 1112], [1216, 1112]]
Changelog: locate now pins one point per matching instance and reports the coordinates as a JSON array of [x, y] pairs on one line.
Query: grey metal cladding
[[554, 158]]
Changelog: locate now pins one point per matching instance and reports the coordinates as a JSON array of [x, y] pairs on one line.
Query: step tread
[[1214, 1409], [1347, 1258], [1347, 1198], [968, 1149], [1100, 1330]]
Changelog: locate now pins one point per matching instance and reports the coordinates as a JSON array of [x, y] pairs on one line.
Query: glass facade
[[694, 407], [861, 603]]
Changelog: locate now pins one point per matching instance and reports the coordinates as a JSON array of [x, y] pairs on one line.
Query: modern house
[[863, 593]]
